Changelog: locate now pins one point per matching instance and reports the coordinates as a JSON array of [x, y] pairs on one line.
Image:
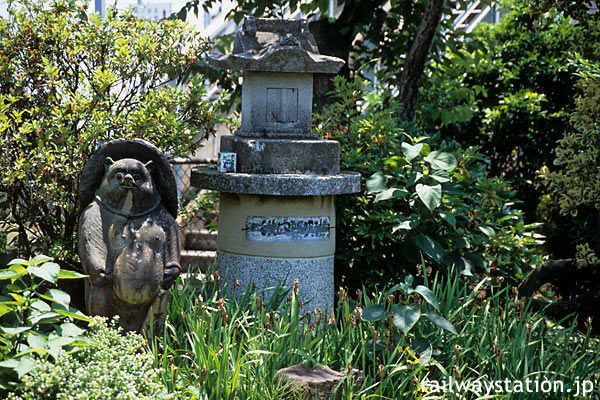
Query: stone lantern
[[277, 212]]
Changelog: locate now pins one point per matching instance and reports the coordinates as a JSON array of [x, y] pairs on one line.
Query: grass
[[226, 347]]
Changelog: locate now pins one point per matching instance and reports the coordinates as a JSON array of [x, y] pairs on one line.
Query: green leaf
[[15, 331], [40, 259], [377, 183], [21, 366], [19, 269], [423, 349], [61, 341], [440, 321], [57, 296], [441, 160], [448, 217], [373, 313], [440, 176], [431, 196], [411, 151], [8, 274], [402, 222], [427, 295], [488, 231], [19, 261], [405, 317], [432, 248], [392, 193], [73, 313], [413, 178], [70, 329], [66, 274], [36, 341], [40, 305], [399, 286], [45, 317], [6, 308], [47, 271]]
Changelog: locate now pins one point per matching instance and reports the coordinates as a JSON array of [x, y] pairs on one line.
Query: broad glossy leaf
[[413, 178], [39, 259], [57, 296], [411, 151], [66, 274], [40, 305], [6, 308], [19, 269], [373, 313], [21, 366], [377, 183], [61, 341], [8, 274], [440, 321], [47, 271], [432, 248], [73, 313], [405, 317], [441, 160], [19, 261], [448, 217], [400, 286], [70, 329], [423, 349], [488, 231], [378, 346], [440, 176], [428, 295], [392, 193], [402, 223], [15, 331], [431, 196], [45, 317], [17, 297], [36, 341]]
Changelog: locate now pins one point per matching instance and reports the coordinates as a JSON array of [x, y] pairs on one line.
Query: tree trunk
[[417, 57]]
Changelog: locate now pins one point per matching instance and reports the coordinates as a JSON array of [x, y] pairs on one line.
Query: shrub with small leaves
[[116, 367], [70, 81], [576, 182], [36, 318]]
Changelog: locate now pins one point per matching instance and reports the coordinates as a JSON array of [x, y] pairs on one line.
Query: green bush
[[421, 195], [576, 179], [116, 366], [36, 318], [70, 81], [509, 89]]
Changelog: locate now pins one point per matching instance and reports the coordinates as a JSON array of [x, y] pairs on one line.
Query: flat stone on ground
[[318, 382]]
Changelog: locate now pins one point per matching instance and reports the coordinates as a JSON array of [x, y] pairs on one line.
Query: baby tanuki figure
[[129, 247]]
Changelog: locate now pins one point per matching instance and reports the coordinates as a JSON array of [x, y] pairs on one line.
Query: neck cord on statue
[[127, 215]]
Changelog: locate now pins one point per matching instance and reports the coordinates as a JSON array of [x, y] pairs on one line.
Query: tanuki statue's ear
[[108, 162], [149, 166]]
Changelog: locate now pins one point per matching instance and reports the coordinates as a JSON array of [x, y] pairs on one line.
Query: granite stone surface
[[277, 105], [284, 156], [276, 184], [314, 274]]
